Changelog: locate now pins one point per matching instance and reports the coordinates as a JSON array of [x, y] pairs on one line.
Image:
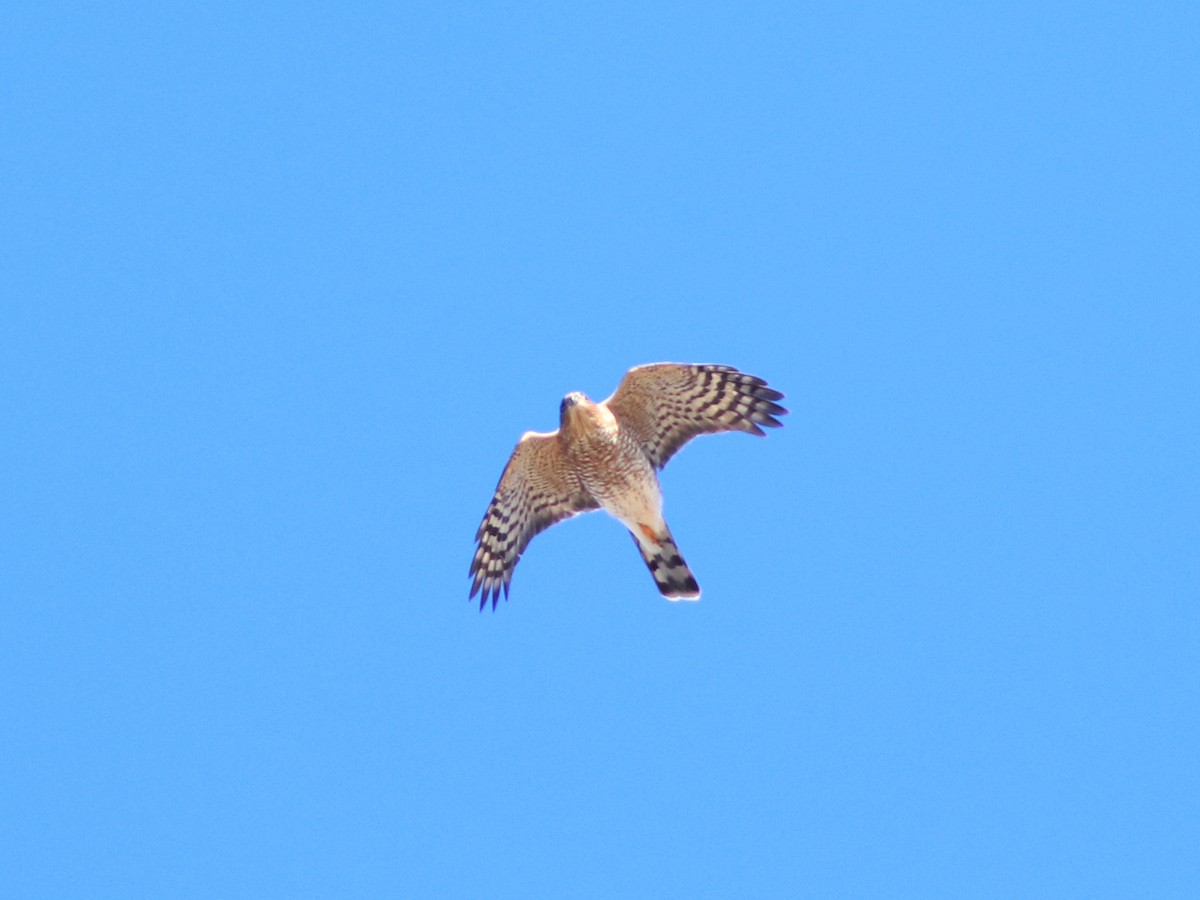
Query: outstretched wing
[[535, 491], [665, 405]]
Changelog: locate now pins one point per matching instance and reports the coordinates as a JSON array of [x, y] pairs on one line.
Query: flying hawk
[[606, 456]]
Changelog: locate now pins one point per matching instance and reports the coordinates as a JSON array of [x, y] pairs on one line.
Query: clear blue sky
[[282, 286]]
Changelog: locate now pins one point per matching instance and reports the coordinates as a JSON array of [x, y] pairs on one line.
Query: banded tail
[[672, 575]]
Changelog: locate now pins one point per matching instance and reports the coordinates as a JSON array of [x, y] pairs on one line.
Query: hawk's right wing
[[535, 491]]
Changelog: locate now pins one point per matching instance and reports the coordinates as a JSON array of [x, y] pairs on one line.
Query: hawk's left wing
[[667, 404]]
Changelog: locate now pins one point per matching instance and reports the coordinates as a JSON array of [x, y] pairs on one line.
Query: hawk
[[606, 456]]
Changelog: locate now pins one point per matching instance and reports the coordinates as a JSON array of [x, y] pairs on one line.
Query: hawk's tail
[[672, 575]]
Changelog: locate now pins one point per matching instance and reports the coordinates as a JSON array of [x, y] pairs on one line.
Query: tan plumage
[[605, 455]]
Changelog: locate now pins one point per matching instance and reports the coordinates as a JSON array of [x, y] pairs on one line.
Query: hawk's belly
[[624, 483]]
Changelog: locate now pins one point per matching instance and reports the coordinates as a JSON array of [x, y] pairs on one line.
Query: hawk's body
[[605, 456]]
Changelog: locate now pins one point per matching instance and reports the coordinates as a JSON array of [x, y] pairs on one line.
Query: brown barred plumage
[[605, 455]]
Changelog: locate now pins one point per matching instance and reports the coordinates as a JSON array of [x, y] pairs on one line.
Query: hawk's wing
[[535, 491], [667, 404]]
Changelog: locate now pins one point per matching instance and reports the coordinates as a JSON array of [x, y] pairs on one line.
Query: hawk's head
[[570, 402], [579, 416]]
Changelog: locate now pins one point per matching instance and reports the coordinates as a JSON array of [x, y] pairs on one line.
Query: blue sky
[[285, 284]]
